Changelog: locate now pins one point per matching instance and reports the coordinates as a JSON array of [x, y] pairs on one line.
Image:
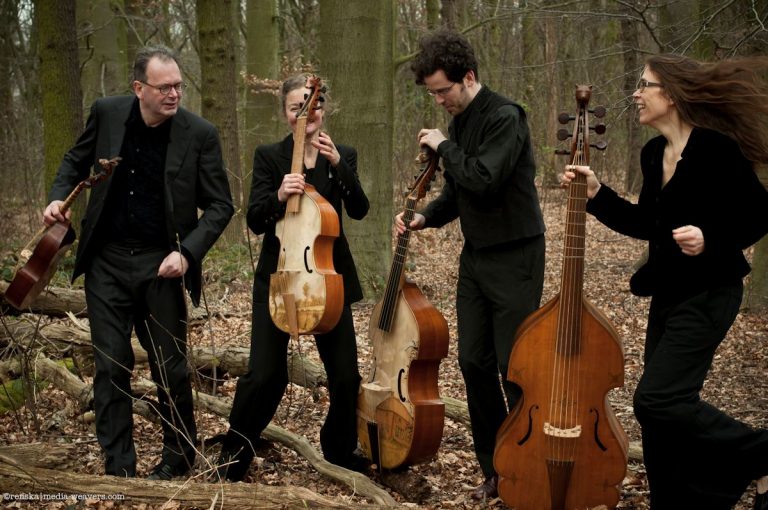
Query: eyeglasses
[[643, 83], [441, 92], [166, 89]]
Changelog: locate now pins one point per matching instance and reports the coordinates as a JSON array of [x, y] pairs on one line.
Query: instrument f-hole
[[400, 384], [306, 264]]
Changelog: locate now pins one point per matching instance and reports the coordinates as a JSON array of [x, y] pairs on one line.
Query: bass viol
[[561, 447], [399, 412]]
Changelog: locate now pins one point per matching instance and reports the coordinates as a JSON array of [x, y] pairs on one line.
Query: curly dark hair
[[728, 96], [446, 50]]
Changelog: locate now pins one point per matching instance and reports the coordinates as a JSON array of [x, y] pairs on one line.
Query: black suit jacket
[[195, 178], [340, 186]]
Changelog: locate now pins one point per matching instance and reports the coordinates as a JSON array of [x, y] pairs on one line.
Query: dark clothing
[[696, 456], [489, 174], [135, 208], [123, 292], [122, 289], [489, 314], [713, 188], [489, 186], [194, 179], [259, 392]]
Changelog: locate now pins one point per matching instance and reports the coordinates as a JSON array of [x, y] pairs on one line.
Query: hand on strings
[[593, 185], [431, 138], [52, 213], [416, 224], [174, 265], [690, 239], [325, 145], [292, 184]]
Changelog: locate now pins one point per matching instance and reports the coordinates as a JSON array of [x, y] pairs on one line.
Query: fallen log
[[53, 301], [68, 339], [34, 485]]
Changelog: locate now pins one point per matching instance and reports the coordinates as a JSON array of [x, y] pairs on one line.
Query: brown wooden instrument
[[52, 242], [561, 447], [399, 412], [306, 295]]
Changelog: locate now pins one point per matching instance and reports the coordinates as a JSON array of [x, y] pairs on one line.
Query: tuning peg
[[562, 152], [565, 118], [598, 128], [601, 145], [598, 112], [306, 96], [428, 186], [321, 99], [563, 134]]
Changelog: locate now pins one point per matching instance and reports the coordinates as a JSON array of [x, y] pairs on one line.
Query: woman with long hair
[[700, 205]]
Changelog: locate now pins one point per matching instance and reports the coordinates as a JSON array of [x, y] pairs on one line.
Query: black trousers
[[259, 392], [498, 288], [123, 292], [695, 455]]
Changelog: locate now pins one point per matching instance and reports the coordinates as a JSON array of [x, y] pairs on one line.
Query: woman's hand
[[291, 185], [690, 239], [325, 145], [593, 185], [417, 223]]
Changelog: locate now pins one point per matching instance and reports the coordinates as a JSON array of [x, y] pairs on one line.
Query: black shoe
[[232, 466], [354, 462], [164, 471], [761, 501], [488, 490]]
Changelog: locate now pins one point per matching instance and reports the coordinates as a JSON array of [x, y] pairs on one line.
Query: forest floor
[[736, 383]]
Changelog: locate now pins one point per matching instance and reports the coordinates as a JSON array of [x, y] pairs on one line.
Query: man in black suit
[[489, 174], [142, 243]]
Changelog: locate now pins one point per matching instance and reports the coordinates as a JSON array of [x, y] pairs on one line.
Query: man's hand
[[174, 265], [431, 138], [690, 239], [52, 213]]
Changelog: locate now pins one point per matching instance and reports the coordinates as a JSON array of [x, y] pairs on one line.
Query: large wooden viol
[[399, 412], [561, 447], [34, 273], [306, 295]]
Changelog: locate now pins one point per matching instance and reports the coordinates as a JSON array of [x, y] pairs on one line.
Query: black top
[[340, 186], [715, 188], [489, 174], [135, 211]]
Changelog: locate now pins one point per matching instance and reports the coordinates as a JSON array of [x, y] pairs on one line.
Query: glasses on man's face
[[166, 88], [643, 83], [441, 92]]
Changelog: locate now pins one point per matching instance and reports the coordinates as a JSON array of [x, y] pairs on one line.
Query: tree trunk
[[356, 54], [62, 98], [219, 95], [632, 70], [103, 49], [262, 121]]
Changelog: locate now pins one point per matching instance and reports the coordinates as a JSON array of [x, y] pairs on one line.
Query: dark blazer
[[715, 188], [340, 186], [195, 178]]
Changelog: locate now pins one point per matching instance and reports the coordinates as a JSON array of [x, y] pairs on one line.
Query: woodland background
[[57, 56]]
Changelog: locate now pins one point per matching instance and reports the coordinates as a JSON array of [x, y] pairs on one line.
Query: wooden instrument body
[[52, 242], [538, 469], [305, 268], [34, 275], [306, 295], [400, 393], [561, 447]]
